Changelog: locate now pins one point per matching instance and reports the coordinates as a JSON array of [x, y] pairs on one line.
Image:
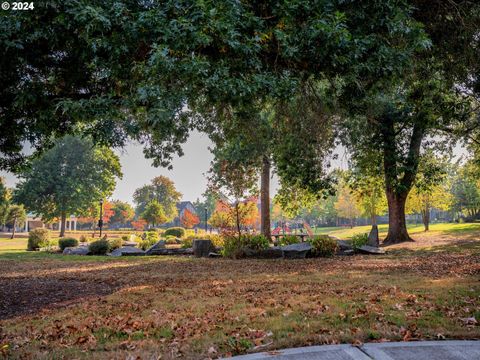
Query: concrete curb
[[435, 350]]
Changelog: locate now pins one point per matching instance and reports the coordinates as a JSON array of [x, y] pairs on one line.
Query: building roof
[[183, 204]]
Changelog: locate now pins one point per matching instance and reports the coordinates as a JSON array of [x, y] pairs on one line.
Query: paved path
[[422, 350]]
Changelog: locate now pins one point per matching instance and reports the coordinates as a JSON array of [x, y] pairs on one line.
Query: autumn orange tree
[[189, 219], [236, 217], [92, 215], [139, 224]]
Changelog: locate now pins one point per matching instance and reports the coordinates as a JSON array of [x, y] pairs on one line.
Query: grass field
[[54, 306], [443, 228]]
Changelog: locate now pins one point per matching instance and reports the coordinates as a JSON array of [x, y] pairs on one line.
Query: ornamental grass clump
[[38, 238], [149, 239]]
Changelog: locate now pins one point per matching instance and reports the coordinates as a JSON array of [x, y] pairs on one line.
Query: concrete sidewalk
[[423, 350]]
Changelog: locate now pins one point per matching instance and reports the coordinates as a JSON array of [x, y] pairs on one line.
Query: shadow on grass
[[458, 247], [33, 281]]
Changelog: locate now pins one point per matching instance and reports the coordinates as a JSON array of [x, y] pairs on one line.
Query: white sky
[[188, 173]]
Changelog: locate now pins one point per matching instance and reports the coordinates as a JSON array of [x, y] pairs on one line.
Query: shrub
[[216, 239], [359, 240], [175, 231], [67, 242], [188, 242], [99, 247], [115, 243], [288, 240], [171, 240], [255, 242], [84, 239], [125, 237], [51, 247], [38, 238], [233, 247], [323, 245], [149, 239]]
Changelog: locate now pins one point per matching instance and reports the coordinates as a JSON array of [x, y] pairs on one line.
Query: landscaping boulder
[[130, 243], [159, 245], [270, 253], [373, 237], [296, 251], [201, 248], [76, 250], [127, 251], [344, 245], [366, 249], [165, 251]]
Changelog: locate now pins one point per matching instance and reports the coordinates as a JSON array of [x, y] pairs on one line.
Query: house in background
[[35, 222], [182, 206]]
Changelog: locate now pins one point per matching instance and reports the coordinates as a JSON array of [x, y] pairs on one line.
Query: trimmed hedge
[[99, 247], [38, 238], [67, 242], [175, 231]]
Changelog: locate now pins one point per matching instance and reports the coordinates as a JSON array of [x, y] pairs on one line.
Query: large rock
[[165, 251], [373, 237], [201, 248], [130, 243], [344, 245], [270, 253], [77, 250], [127, 251], [296, 251], [159, 245], [366, 249]]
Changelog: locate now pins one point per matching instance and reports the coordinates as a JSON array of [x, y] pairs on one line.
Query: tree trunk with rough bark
[[265, 225], [399, 181], [426, 217], [397, 227], [63, 221]]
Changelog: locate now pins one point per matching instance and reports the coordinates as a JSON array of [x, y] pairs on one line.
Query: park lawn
[[54, 306], [440, 228]]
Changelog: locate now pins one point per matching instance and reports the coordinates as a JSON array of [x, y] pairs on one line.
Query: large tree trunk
[[426, 217], [265, 226], [63, 221], [14, 227], [397, 227], [399, 181]]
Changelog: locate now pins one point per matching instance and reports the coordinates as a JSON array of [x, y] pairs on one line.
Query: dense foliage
[[162, 190], [69, 179]]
